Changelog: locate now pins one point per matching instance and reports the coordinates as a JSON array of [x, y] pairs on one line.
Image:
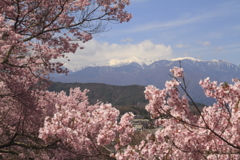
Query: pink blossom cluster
[[42, 30], [83, 128], [33, 35], [214, 134], [38, 124], [224, 93], [115, 9], [177, 72]]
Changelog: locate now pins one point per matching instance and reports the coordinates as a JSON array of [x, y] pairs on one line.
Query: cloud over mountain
[[99, 54]]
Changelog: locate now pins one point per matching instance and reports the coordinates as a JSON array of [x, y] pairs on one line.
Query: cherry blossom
[[84, 129], [214, 134], [33, 35], [38, 124]]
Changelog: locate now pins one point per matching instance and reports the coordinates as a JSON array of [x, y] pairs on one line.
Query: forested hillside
[[125, 98]]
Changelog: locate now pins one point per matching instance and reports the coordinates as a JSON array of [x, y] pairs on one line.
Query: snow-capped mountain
[[112, 63], [157, 73], [118, 63]]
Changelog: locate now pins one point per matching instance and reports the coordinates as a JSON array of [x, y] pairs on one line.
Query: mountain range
[[157, 73]]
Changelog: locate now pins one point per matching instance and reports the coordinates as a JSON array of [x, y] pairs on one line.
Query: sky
[[167, 29]]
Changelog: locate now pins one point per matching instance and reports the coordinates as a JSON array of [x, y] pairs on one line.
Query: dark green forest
[[125, 98]]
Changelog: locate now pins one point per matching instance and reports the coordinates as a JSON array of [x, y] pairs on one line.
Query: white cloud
[[98, 54]]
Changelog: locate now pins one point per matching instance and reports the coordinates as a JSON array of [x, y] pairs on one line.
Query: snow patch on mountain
[[147, 62], [214, 61], [118, 62], [78, 67], [183, 58]]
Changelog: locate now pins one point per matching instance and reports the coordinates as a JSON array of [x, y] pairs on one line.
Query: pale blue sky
[[166, 29]]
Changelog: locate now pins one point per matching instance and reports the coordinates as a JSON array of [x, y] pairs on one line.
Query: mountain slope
[[125, 98], [157, 74]]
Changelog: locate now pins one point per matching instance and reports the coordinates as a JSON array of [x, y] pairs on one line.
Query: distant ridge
[[143, 63], [157, 73]]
